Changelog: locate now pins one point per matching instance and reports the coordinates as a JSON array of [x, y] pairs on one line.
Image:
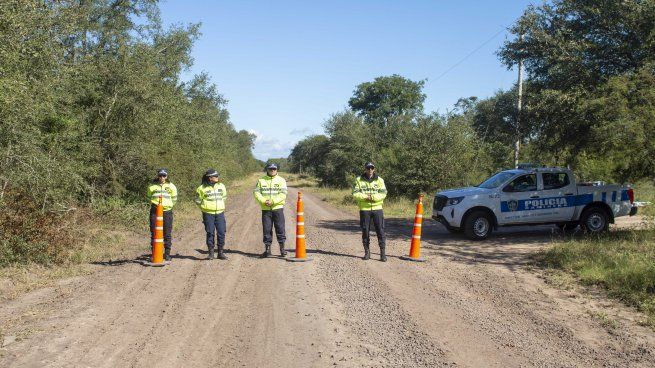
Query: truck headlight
[[454, 201]]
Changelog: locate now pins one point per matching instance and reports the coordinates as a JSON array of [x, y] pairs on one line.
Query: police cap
[[212, 172]]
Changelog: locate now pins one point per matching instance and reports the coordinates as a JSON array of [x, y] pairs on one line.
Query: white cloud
[[302, 132], [268, 147]]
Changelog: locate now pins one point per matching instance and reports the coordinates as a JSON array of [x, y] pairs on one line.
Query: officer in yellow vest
[[271, 193], [210, 197], [162, 188], [369, 191]]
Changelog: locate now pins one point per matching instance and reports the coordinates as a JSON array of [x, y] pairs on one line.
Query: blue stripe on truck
[[545, 203]]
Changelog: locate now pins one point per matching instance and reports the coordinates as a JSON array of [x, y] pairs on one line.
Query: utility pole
[[517, 144]]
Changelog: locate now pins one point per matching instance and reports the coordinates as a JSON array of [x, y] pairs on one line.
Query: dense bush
[[91, 103], [28, 234]]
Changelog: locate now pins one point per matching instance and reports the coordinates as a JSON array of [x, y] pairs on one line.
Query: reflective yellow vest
[[167, 191], [211, 199], [374, 187], [273, 188]]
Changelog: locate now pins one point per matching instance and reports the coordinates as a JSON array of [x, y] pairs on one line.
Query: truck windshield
[[496, 180]]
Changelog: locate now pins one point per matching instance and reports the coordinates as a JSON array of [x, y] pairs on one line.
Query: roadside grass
[[620, 262], [645, 192], [342, 198], [109, 230]]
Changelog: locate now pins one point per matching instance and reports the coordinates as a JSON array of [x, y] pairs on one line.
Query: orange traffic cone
[[415, 247], [301, 252], [157, 258]]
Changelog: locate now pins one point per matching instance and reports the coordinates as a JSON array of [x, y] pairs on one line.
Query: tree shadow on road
[[119, 262], [508, 247], [246, 254], [330, 253], [230, 251], [193, 258]]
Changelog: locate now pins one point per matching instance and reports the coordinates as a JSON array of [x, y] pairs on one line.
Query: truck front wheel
[[478, 225], [594, 220]]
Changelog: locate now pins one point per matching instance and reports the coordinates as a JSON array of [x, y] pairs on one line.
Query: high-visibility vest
[[211, 198], [273, 188], [167, 191], [374, 187]]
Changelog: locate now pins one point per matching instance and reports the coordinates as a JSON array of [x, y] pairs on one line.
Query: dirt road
[[470, 305]]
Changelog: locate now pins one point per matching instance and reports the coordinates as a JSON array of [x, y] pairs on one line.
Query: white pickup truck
[[529, 196]]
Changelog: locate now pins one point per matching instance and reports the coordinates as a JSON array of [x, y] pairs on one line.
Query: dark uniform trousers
[[168, 226], [270, 219], [214, 224], [377, 218]]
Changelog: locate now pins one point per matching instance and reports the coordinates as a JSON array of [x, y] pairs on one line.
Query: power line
[[468, 55]]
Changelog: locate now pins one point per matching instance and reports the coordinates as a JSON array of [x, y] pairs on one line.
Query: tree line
[[589, 103], [92, 102]]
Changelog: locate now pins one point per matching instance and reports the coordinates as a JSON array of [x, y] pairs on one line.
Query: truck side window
[[525, 183], [555, 180]]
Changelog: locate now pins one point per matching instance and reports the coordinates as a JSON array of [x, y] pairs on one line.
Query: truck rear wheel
[[594, 220], [478, 225]]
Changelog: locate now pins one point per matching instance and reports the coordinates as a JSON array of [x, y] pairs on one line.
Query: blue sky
[[286, 66]]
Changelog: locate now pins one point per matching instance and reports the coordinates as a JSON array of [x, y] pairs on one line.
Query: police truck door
[[514, 197], [558, 196]]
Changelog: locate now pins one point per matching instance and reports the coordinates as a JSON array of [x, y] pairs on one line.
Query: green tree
[[308, 155], [387, 97], [580, 56], [91, 103]]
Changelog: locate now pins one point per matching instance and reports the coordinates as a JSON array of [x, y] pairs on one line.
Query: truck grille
[[439, 202]]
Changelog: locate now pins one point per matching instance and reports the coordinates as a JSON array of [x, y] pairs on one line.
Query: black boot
[[221, 255], [367, 253], [167, 254], [283, 252], [210, 254], [383, 255], [267, 252]]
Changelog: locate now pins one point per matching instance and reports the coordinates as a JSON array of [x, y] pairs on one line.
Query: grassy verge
[[109, 230], [645, 192], [342, 198], [621, 262]]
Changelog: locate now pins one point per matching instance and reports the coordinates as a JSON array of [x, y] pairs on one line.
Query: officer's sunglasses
[[370, 168]]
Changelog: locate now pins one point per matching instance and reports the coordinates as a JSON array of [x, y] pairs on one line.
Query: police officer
[[271, 192], [369, 192], [161, 187], [210, 197]]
